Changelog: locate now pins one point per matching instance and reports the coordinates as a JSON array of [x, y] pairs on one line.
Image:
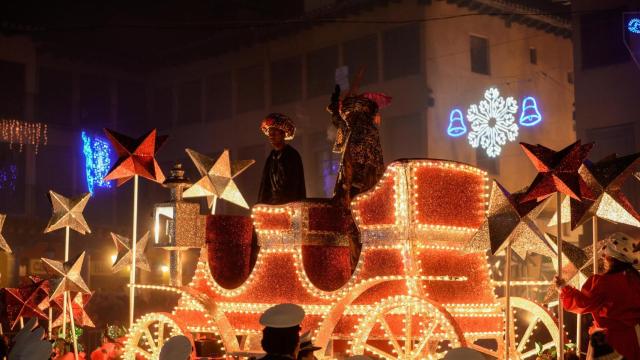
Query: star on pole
[[217, 178], [80, 316], [511, 221], [135, 157], [123, 247], [3, 242], [557, 171], [67, 274], [68, 212], [26, 301]]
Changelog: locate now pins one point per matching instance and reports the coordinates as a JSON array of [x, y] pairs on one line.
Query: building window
[[162, 108], [286, 80], [218, 101], [401, 51], [55, 88], [601, 39], [533, 56], [12, 89], [250, 88], [479, 50], [362, 52], [321, 67], [486, 163], [190, 102]]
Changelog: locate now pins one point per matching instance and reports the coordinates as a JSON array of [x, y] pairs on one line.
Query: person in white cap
[[613, 298], [281, 333]]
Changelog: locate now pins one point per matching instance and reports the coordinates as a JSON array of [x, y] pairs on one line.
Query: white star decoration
[[123, 246], [492, 122]]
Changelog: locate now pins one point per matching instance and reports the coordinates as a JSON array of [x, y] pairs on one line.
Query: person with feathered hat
[[358, 140]]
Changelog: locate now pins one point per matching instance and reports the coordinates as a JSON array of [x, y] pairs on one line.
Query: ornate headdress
[[280, 122]]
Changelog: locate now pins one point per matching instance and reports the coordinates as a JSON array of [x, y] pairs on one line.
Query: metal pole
[[507, 319], [134, 238], [594, 251], [560, 309], [64, 295], [73, 330]]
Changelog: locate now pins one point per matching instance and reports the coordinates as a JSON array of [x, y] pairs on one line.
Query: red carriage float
[[415, 292]]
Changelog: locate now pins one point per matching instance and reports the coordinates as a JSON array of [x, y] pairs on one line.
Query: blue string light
[[634, 25], [8, 177], [97, 155]]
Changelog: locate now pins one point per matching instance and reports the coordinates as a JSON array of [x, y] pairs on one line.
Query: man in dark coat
[[283, 175]]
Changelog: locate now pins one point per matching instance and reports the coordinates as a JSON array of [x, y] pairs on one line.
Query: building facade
[[435, 58]]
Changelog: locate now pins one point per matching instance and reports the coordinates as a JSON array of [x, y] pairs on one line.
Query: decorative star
[[577, 264], [68, 212], [605, 179], [68, 273], [80, 316], [26, 301], [511, 221], [3, 243], [135, 157], [217, 178], [557, 171], [123, 247]]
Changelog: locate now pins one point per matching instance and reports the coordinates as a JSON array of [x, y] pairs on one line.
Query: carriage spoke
[[425, 339], [160, 335], [150, 341], [389, 333], [379, 352], [407, 329], [527, 334]]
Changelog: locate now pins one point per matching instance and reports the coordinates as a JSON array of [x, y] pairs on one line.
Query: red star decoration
[[80, 316], [27, 301], [557, 171], [135, 157], [605, 178]]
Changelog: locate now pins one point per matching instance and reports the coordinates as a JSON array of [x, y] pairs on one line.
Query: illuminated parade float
[[418, 288]]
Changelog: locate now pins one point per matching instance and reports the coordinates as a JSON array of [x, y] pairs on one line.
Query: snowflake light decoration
[[492, 122]]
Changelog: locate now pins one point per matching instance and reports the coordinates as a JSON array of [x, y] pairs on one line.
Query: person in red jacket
[[612, 298]]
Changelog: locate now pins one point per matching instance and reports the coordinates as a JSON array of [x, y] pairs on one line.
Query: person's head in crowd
[[177, 348], [281, 333]]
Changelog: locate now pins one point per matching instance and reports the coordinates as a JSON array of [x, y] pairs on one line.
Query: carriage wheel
[[150, 332], [405, 327], [532, 321]]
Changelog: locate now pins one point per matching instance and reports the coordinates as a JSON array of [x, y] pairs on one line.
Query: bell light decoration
[[530, 114], [456, 124]]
